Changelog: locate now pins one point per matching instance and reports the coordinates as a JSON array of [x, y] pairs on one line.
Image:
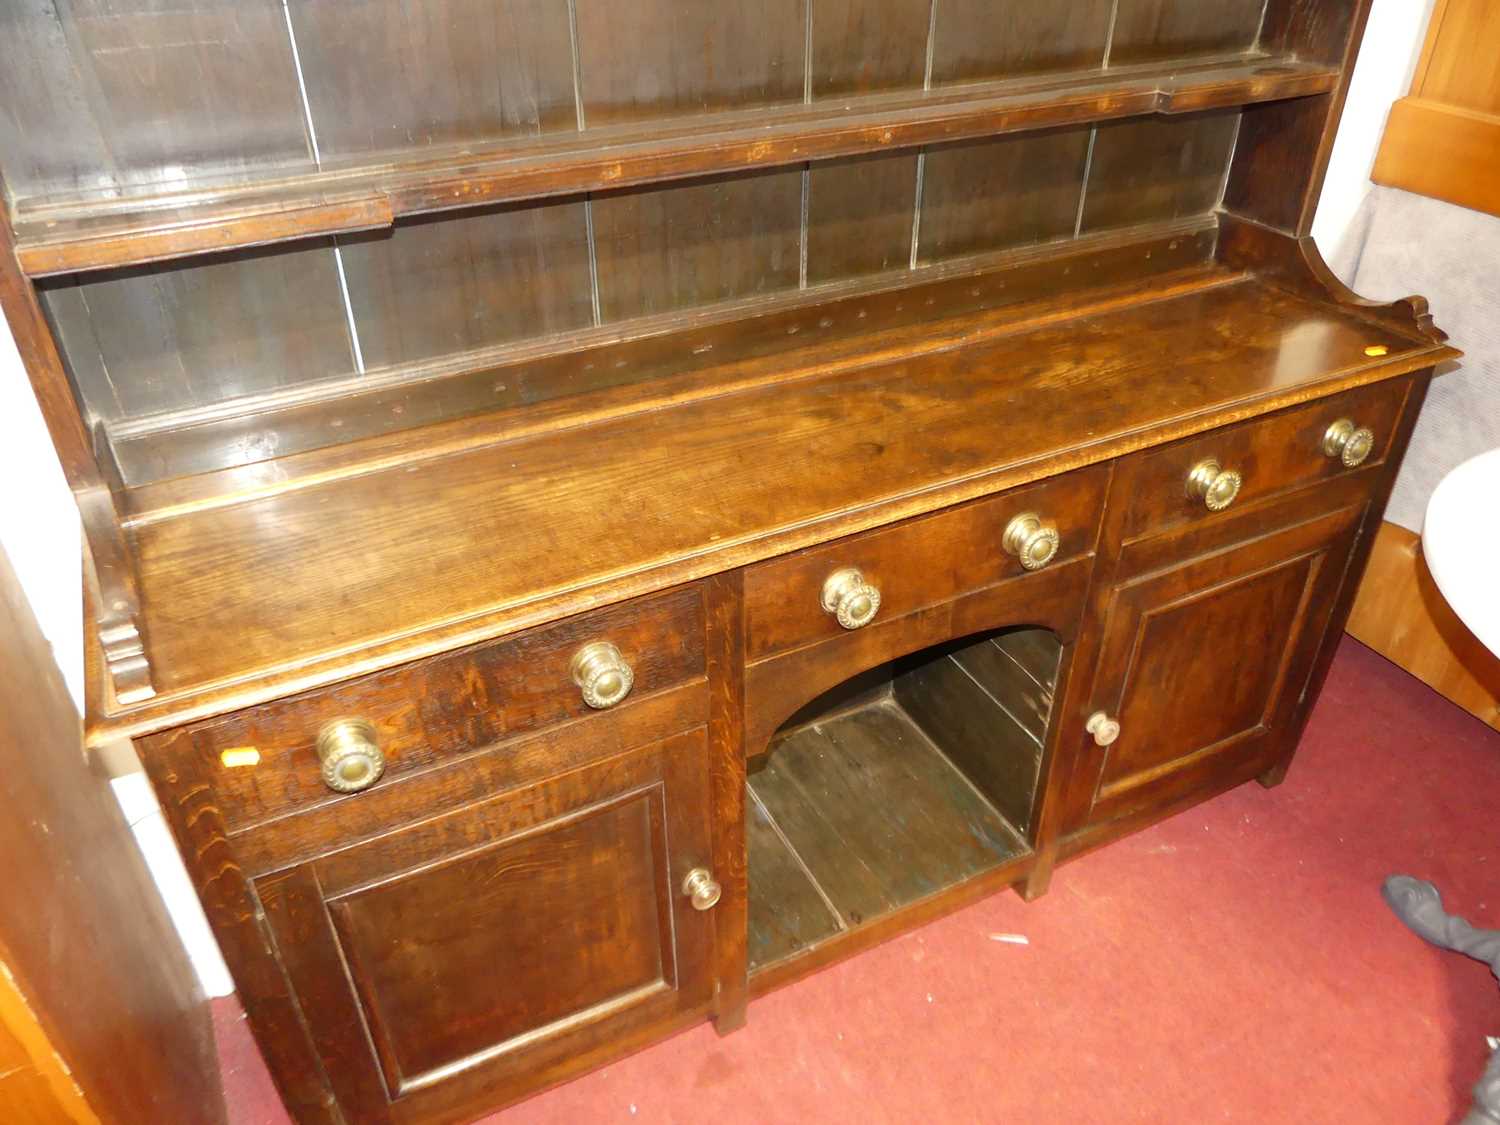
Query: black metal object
[[1418, 904]]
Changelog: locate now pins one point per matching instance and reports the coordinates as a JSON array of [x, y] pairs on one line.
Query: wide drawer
[[918, 563], [264, 761], [1269, 455]]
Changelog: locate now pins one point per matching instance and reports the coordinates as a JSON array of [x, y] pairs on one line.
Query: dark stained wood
[[454, 283], [104, 95], [432, 712], [656, 58], [859, 47], [163, 338], [979, 40], [383, 76], [696, 244], [617, 368], [424, 518], [1146, 30], [728, 299], [915, 564], [876, 813], [1272, 455], [725, 650], [1157, 168], [787, 910], [57, 236], [989, 195], [860, 216], [90, 959], [429, 924]]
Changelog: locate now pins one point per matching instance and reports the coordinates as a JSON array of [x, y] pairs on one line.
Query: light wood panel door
[[1443, 139], [484, 953]]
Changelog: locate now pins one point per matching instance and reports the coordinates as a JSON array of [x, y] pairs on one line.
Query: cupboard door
[[1204, 664], [478, 955]]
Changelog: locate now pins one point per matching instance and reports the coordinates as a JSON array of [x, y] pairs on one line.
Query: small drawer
[[1254, 460], [918, 563], [266, 761]]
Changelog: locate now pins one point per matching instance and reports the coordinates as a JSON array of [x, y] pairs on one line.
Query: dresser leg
[[1276, 774], [1035, 885], [729, 1020]]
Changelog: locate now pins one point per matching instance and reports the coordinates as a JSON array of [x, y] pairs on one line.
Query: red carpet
[[1233, 964]]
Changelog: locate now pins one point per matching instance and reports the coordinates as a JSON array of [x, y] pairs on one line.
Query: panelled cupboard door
[[470, 958], [1203, 663]]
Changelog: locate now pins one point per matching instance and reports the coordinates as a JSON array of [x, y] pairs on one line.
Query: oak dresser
[[598, 508]]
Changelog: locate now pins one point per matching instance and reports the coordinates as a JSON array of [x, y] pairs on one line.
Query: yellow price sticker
[[237, 757]]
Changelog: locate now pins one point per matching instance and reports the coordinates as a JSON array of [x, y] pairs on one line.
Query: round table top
[[1461, 542]]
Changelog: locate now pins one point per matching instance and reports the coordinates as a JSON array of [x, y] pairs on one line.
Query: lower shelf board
[[853, 819]]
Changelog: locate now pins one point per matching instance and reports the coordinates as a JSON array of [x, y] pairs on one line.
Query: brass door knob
[[1215, 485], [350, 755], [1033, 542], [602, 673], [850, 598], [1346, 442], [701, 888], [1104, 729]]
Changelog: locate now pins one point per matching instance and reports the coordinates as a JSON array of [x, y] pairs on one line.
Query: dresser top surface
[[339, 576]]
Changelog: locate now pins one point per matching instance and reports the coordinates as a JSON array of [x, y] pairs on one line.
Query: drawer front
[[1271, 455], [264, 761], [918, 563]]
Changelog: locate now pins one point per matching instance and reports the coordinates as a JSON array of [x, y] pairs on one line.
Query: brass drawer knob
[[1346, 442], [850, 598], [1104, 729], [701, 888], [602, 673], [350, 755], [1033, 542], [1215, 485]]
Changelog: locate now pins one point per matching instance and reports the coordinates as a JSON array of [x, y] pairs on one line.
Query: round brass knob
[[350, 755], [701, 888], [1215, 485], [602, 673], [1030, 540], [850, 598], [1104, 729], [1348, 443]]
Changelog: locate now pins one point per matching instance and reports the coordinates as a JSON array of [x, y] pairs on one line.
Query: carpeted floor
[[1233, 964]]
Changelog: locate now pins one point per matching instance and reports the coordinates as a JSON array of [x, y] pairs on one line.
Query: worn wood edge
[[173, 499], [375, 195], [1446, 152], [24, 1024], [846, 943], [219, 697], [1296, 265], [203, 234]]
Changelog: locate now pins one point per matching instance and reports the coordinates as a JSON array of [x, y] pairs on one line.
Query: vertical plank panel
[[655, 58], [859, 217], [1000, 193], [384, 75], [693, 244], [1170, 29], [450, 283], [119, 93], [861, 46], [978, 40], [178, 336], [1151, 168]]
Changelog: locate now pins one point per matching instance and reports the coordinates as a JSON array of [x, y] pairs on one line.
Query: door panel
[[1203, 663], [477, 949]]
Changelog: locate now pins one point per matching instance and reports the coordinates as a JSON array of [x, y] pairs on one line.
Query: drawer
[[917, 563], [425, 713], [1271, 455]]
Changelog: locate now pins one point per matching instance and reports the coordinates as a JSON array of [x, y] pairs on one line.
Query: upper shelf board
[[55, 235]]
